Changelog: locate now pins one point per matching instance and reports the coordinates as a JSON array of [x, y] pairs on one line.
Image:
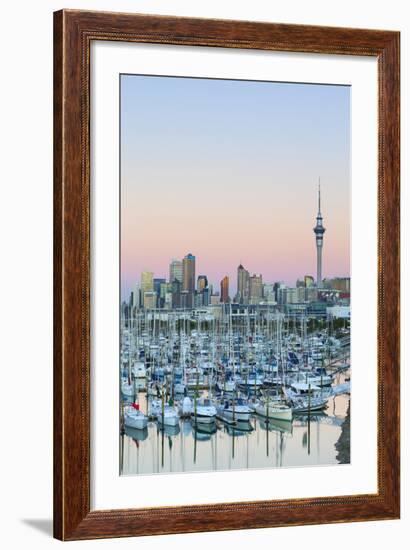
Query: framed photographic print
[[226, 275]]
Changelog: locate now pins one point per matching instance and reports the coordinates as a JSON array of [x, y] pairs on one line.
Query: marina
[[232, 388]]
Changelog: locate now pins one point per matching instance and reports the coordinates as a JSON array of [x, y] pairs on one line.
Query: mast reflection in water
[[321, 439]]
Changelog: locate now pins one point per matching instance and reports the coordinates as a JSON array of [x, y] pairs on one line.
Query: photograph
[[235, 284]]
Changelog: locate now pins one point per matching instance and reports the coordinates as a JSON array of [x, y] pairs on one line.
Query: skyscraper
[[147, 284], [137, 296], [225, 289], [188, 273], [175, 271], [319, 231], [176, 288], [309, 281], [188, 280], [255, 289], [157, 289], [202, 282], [243, 284]]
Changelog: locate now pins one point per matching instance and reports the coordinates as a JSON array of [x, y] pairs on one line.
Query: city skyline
[[237, 177]]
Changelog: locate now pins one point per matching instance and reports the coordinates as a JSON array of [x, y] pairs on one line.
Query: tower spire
[[319, 196], [319, 231]]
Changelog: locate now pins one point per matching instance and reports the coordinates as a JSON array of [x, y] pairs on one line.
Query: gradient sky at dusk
[[228, 170]]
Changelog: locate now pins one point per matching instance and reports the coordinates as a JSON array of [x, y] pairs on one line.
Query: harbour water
[[306, 440], [255, 389]]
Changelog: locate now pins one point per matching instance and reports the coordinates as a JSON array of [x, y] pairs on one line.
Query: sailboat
[[235, 409], [134, 418], [205, 411]]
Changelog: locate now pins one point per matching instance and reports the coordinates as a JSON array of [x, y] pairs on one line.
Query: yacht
[[235, 409], [139, 370], [205, 411], [134, 418], [273, 409], [164, 413]]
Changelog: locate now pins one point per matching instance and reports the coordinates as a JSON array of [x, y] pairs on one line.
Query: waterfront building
[[242, 284], [338, 283], [319, 231], [338, 312], [328, 295], [225, 289], [147, 284]]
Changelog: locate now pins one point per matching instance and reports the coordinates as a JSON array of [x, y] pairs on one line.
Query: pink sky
[[233, 182]]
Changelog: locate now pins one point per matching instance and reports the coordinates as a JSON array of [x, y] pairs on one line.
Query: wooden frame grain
[[73, 33]]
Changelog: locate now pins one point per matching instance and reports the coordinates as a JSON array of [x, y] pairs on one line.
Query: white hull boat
[[139, 370], [127, 389], [274, 410], [166, 414], [238, 411], [134, 418], [205, 411]]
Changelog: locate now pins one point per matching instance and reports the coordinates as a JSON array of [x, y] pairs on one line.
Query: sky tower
[[319, 231]]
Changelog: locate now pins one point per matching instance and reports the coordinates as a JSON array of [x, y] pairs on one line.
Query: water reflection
[[317, 439]]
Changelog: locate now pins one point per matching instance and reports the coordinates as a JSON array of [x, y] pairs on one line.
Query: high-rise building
[[157, 285], [157, 288], [206, 296], [215, 299], [338, 283], [175, 271], [309, 281], [202, 282], [147, 284], [187, 299], [188, 273], [165, 288], [242, 284], [311, 294], [136, 301], [176, 289], [255, 289], [225, 289], [319, 232], [276, 288], [188, 279], [269, 293], [150, 300]]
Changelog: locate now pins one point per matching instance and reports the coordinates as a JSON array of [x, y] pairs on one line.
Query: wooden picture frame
[[74, 32]]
